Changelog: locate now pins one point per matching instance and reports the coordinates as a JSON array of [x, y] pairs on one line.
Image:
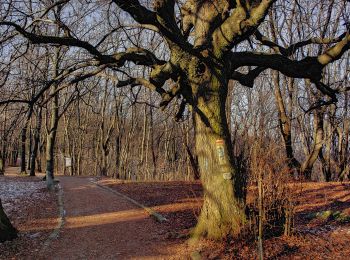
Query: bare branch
[[163, 19], [309, 67], [240, 25], [140, 13], [294, 47], [168, 96], [334, 53], [305, 68], [137, 55], [63, 41], [247, 79]]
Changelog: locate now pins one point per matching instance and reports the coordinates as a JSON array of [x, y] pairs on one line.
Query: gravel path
[[101, 225]]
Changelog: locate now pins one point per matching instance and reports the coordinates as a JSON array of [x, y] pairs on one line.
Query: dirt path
[[101, 225]]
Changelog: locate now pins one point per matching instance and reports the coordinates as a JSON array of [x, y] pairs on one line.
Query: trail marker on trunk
[[68, 161], [220, 151], [220, 148]]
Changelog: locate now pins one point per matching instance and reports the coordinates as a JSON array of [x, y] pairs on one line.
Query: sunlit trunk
[[224, 187], [307, 166], [285, 123]]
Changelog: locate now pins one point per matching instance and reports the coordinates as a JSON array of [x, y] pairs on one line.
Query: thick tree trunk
[[50, 163], [50, 141], [224, 188], [193, 162], [7, 231], [117, 156], [36, 144], [104, 159], [24, 140], [3, 155], [3, 149], [306, 168], [14, 155], [2, 165], [191, 158], [285, 113], [326, 171], [325, 156], [23, 149], [285, 123], [343, 146], [38, 158], [79, 157], [50, 160], [153, 152], [30, 147]]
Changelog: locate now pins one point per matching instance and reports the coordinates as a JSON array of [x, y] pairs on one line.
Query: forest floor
[[98, 224]]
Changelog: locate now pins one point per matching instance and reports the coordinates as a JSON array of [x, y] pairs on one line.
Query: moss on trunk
[[223, 211]]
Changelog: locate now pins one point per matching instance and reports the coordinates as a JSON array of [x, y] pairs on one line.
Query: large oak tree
[[202, 38]]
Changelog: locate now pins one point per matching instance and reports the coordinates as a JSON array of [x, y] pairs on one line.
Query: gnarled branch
[[247, 79], [240, 25], [294, 47]]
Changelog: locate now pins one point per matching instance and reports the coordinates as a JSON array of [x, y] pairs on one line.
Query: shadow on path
[[100, 225]]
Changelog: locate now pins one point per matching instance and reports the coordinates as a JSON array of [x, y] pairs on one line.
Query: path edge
[[160, 218], [54, 234]]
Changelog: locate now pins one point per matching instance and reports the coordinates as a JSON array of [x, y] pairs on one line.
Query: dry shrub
[[269, 169]]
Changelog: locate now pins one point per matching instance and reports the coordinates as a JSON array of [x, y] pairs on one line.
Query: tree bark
[[344, 143], [36, 143], [153, 152], [117, 155], [190, 158], [24, 140], [3, 151], [50, 141], [23, 149], [306, 168], [2, 165], [39, 157], [285, 123], [224, 188], [3, 155], [30, 146], [325, 156], [7, 231]]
